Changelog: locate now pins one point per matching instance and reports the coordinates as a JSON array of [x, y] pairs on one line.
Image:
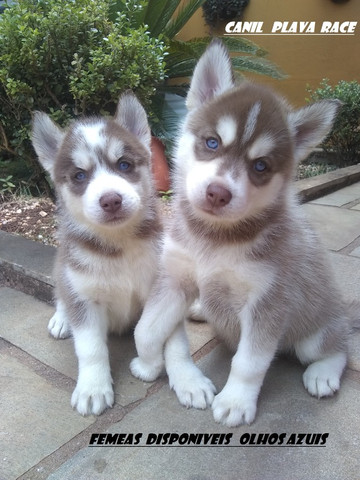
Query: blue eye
[[260, 166], [80, 176], [123, 166], [212, 143]]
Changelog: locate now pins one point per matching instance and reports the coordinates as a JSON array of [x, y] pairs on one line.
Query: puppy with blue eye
[[240, 243], [108, 235]]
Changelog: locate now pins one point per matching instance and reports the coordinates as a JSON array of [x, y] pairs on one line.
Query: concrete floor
[[42, 437]]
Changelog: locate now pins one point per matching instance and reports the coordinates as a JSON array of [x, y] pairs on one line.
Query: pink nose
[[110, 202], [217, 195]]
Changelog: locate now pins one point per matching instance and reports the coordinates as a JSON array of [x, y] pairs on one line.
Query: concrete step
[[27, 266]]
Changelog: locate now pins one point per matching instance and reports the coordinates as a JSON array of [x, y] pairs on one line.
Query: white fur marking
[[308, 349], [90, 137], [261, 147], [185, 150], [227, 130], [102, 183], [93, 134], [83, 158], [251, 121], [87, 210], [199, 177], [115, 150]]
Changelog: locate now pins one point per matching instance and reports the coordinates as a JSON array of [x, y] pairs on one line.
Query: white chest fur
[[118, 282]]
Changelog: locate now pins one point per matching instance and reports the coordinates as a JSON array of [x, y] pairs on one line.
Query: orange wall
[[305, 59]]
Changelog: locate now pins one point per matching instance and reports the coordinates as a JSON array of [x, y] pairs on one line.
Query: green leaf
[[183, 16], [158, 14], [257, 65], [242, 45]]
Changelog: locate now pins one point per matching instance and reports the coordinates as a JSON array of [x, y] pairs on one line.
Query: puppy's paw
[[192, 388], [319, 381], [92, 399], [145, 371], [232, 409], [196, 312], [58, 326]]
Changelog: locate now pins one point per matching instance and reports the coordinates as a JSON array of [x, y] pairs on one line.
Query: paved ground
[[42, 437]]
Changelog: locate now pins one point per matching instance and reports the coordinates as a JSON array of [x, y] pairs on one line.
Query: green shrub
[[76, 57], [68, 58], [221, 10], [344, 139]]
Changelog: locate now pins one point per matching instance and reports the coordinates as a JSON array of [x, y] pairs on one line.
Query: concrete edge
[[16, 277], [27, 266], [35, 282], [315, 187]]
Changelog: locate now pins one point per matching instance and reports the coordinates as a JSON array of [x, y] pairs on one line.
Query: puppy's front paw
[[58, 326], [196, 312], [192, 388], [319, 381], [232, 409], [145, 371], [92, 399]]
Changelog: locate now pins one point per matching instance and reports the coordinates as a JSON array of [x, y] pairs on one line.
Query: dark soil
[[32, 218]]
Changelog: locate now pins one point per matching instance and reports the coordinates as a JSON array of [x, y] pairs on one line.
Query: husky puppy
[[239, 241], [108, 235]]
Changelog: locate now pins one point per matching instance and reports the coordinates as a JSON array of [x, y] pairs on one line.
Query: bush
[[221, 10], [344, 139], [67, 58], [76, 57]]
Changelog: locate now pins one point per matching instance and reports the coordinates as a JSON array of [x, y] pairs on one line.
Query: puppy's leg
[[236, 403], [192, 388], [93, 392], [322, 376], [59, 325], [165, 309]]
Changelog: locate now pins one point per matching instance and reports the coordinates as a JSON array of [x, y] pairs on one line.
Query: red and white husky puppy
[[240, 242], [108, 235]]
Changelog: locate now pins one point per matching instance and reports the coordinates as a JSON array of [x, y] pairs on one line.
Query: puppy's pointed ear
[[46, 140], [131, 115], [310, 125], [212, 75]]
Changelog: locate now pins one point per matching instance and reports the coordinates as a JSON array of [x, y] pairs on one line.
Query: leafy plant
[[6, 186], [165, 19], [76, 57], [217, 10], [68, 58], [344, 139]]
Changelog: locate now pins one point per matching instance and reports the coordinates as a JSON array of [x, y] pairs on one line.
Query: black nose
[[217, 195], [110, 202]]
